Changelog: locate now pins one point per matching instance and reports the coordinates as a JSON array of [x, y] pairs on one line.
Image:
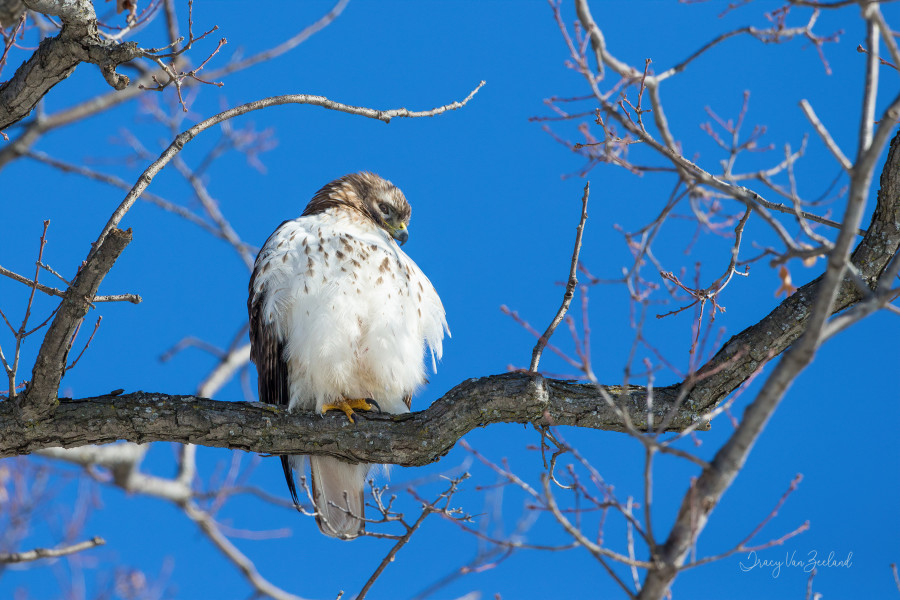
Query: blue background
[[495, 203]]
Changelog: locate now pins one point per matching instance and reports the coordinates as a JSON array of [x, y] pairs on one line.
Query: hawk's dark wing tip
[[289, 477]]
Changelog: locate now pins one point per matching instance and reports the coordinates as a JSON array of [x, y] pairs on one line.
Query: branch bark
[[38, 553], [56, 58], [40, 396], [35, 128], [412, 439]]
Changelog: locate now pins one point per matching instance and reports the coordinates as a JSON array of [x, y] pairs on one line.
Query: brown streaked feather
[[346, 192], [267, 352], [353, 192]]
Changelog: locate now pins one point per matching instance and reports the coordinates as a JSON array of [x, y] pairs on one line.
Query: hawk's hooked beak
[[400, 233]]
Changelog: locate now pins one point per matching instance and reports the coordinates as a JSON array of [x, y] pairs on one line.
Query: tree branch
[[51, 291], [570, 286], [123, 462], [56, 58], [40, 395], [38, 553], [410, 439], [35, 128], [189, 134], [833, 291]]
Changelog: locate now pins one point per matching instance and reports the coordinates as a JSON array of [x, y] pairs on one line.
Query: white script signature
[[812, 561]]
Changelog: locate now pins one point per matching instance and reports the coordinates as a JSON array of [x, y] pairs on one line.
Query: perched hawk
[[341, 316]]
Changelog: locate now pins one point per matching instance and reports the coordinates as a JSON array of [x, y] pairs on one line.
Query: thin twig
[[570, 286], [389, 557], [38, 553], [50, 291], [826, 137], [186, 136], [88, 343], [874, 12]]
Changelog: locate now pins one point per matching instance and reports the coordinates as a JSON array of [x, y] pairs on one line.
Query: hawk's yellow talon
[[348, 406]]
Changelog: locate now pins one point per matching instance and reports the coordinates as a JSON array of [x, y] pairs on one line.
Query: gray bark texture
[[56, 58], [39, 398], [412, 439], [10, 12]]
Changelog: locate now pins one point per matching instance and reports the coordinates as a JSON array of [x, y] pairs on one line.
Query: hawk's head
[[374, 198]]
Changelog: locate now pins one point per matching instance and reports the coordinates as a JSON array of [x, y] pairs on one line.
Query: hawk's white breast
[[354, 311]]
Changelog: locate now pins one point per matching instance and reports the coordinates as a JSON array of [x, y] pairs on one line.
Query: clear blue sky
[[493, 223]]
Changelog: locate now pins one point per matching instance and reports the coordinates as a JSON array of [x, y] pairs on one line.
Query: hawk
[[340, 318]]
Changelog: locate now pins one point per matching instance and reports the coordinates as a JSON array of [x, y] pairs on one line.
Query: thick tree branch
[[781, 327], [56, 58], [832, 292], [35, 128], [40, 396], [706, 492], [412, 439], [742, 355]]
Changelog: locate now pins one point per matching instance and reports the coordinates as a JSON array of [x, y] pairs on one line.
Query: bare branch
[[222, 226], [121, 184], [56, 58], [428, 508], [570, 286], [50, 291], [209, 527], [124, 460], [39, 553], [224, 371], [49, 366], [37, 127], [870, 90], [286, 45], [381, 438], [705, 494], [186, 136], [826, 137], [874, 13], [596, 550]]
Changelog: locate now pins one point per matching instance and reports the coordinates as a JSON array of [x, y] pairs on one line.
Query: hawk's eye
[[383, 208]]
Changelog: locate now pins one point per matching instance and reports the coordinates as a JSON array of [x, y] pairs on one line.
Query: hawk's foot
[[347, 406]]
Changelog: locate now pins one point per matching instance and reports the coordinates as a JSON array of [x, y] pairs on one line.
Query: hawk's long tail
[[338, 489]]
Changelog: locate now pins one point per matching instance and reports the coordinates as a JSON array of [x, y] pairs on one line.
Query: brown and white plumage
[[338, 311]]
